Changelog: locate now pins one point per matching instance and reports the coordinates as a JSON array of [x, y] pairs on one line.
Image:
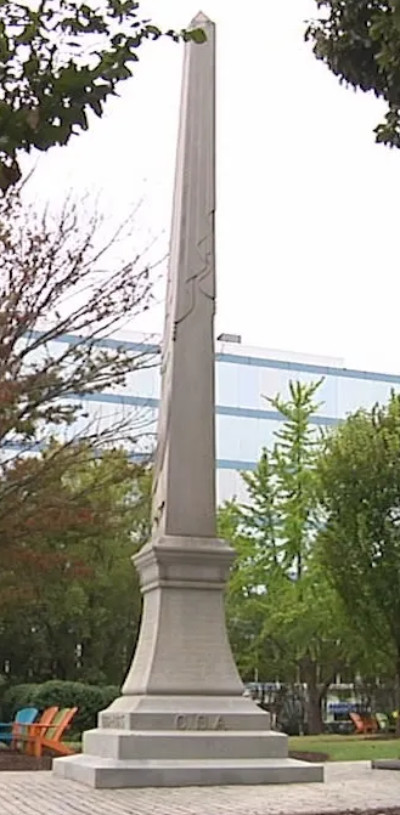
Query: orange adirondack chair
[[50, 737], [39, 727], [370, 724], [357, 721], [364, 724]]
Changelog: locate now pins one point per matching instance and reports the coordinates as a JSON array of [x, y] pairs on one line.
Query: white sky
[[308, 215]]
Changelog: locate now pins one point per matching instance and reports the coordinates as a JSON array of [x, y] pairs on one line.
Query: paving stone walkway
[[348, 786]]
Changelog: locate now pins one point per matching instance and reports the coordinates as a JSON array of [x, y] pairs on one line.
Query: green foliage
[[313, 638], [285, 620], [59, 61], [295, 456], [244, 607], [278, 523], [360, 43], [69, 596], [359, 544], [90, 699], [16, 697], [260, 516], [73, 506], [280, 517], [47, 293]]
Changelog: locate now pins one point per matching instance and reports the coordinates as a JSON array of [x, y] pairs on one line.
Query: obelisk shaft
[[183, 648], [184, 482]]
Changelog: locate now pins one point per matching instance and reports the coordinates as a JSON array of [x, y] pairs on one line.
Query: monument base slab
[[385, 764], [102, 773]]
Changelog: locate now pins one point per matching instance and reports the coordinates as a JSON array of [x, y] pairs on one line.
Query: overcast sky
[[308, 212]]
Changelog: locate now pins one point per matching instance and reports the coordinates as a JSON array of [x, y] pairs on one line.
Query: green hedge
[[89, 699], [15, 697]]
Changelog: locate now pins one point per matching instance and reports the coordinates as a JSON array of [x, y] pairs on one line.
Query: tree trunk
[[314, 712], [314, 697], [397, 693]]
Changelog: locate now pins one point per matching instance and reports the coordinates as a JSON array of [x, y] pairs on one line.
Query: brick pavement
[[348, 786]]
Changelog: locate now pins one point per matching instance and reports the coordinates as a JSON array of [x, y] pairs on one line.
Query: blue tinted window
[[357, 393]]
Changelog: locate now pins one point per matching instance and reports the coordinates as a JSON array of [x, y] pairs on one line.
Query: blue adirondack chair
[[10, 731]]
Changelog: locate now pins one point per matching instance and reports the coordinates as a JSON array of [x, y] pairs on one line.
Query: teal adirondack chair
[[10, 731]]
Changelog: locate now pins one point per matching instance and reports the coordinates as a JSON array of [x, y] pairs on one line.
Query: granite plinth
[[111, 773], [182, 718]]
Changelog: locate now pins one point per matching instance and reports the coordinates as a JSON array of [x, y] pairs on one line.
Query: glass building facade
[[245, 379]]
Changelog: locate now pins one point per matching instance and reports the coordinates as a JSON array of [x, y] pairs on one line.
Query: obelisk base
[[182, 719], [105, 773], [175, 742]]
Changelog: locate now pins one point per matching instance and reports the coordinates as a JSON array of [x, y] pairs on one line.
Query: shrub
[[16, 697], [109, 693], [89, 699]]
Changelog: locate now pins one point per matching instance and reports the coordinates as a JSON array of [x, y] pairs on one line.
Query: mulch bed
[[318, 758], [12, 760]]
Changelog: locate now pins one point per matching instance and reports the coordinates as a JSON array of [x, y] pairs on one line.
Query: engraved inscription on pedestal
[[113, 720], [199, 722]]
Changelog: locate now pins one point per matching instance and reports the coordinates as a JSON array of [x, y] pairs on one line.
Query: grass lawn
[[338, 748], [347, 748]]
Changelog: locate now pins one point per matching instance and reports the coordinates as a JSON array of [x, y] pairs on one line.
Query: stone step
[[108, 773], [128, 744]]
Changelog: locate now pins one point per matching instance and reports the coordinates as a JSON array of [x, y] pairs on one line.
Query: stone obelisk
[[182, 718]]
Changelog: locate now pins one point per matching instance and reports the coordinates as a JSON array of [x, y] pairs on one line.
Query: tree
[[245, 608], [68, 596], [313, 641], [359, 543], [360, 43], [295, 468], [59, 60], [283, 616], [49, 298], [282, 489]]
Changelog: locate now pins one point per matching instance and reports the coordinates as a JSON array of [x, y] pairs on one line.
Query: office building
[[245, 379]]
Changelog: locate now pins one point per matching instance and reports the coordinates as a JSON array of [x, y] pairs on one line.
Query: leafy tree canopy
[[59, 59], [360, 539], [73, 508], [284, 619], [55, 320], [69, 597], [359, 41]]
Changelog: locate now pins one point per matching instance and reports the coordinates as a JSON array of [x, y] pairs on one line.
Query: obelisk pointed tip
[[201, 19]]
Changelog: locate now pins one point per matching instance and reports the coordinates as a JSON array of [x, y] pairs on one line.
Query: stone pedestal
[[182, 718]]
